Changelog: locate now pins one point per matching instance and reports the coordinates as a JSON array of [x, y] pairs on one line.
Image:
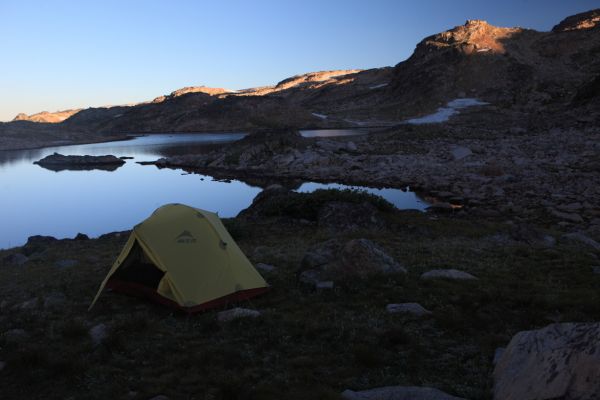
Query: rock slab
[[560, 361]]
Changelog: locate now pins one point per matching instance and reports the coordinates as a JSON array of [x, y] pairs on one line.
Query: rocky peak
[[475, 36], [192, 89], [585, 20]]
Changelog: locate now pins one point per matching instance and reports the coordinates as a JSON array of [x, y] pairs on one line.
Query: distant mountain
[[515, 69], [45, 116]]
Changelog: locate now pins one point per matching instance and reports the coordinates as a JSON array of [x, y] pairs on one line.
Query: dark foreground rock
[[398, 393], [58, 162], [560, 361]]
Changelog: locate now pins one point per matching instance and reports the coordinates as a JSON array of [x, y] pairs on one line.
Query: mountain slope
[[514, 69]]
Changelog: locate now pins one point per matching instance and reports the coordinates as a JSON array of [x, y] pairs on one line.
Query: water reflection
[[38, 201]]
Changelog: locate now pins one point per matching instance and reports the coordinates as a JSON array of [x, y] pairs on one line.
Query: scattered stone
[[98, 334], [398, 393], [559, 361], [460, 152], [68, 263], [160, 397], [452, 274], [235, 313], [408, 308], [16, 335], [29, 304], [582, 238], [15, 259], [310, 276], [265, 267], [351, 146], [571, 217], [324, 285], [362, 256]]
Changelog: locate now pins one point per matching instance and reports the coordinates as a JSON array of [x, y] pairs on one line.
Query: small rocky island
[[59, 162]]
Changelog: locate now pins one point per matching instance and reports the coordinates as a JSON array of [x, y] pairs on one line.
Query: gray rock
[[236, 313], [265, 267], [98, 334], [15, 259], [310, 276], [68, 263], [460, 152], [398, 393], [559, 361], [452, 274], [160, 397], [16, 335], [408, 308], [321, 254], [324, 285], [582, 238], [2, 365], [596, 269], [362, 256], [351, 146]]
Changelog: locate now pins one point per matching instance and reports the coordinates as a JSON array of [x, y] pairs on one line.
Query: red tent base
[[135, 289]]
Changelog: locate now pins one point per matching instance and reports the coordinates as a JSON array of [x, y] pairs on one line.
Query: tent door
[[138, 269]]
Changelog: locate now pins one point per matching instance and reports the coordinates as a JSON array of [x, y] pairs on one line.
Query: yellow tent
[[184, 257]]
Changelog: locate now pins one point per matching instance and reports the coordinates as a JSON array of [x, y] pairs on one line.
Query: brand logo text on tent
[[185, 237]]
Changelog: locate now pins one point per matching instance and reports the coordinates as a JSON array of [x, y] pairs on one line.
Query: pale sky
[[69, 54]]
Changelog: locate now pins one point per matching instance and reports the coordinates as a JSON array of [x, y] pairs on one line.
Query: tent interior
[[138, 269]]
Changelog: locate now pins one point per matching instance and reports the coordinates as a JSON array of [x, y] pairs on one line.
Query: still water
[[38, 201]]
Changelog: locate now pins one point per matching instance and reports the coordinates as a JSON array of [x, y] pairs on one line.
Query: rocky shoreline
[[551, 177]]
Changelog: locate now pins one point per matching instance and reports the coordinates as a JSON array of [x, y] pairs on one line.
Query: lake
[[38, 201]]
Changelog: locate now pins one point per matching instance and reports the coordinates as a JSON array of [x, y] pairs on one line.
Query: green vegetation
[[307, 344]]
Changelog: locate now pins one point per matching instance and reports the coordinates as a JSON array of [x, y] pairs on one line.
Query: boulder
[[579, 237], [560, 361], [362, 257], [265, 267], [452, 274], [460, 152], [98, 334], [236, 313], [398, 393], [37, 244], [321, 254], [408, 308], [324, 285]]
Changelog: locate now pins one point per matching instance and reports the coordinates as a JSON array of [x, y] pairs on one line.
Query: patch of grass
[[307, 205]]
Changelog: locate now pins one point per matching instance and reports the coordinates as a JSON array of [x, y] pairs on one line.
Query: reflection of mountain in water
[[65, 167]]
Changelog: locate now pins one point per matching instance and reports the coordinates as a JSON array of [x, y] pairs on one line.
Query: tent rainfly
[[183, 257]]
